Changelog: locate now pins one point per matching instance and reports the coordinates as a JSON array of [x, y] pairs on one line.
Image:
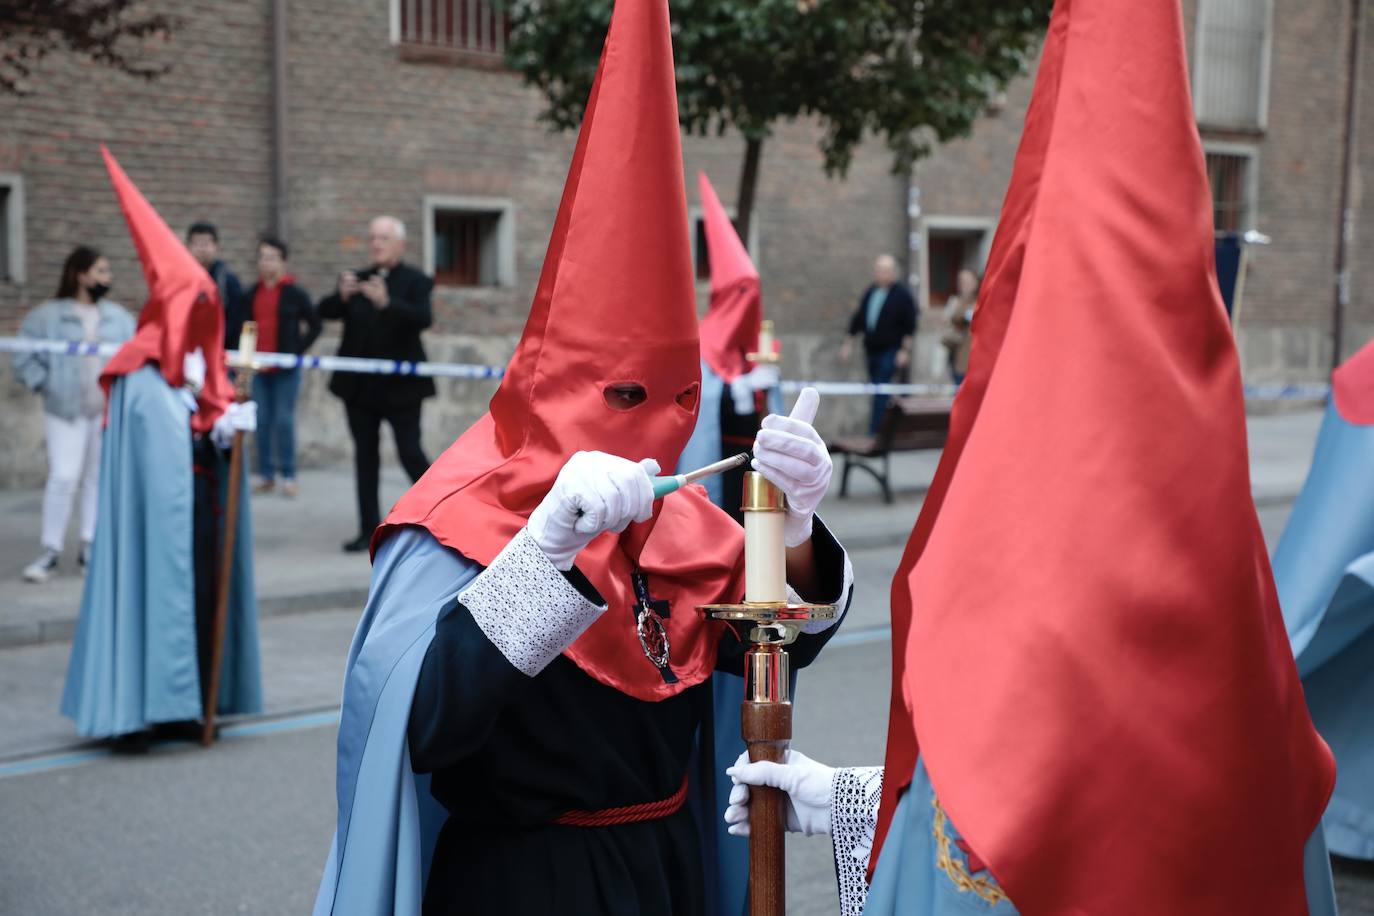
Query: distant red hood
[[730, 329], [1352, 387], [183, 310]]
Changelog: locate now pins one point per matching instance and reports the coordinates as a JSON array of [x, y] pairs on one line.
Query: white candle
[[765, 555], [248, 343], [765, 558], [766, 339]]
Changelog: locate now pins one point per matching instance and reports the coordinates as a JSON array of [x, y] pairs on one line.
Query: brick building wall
[[369, 131]]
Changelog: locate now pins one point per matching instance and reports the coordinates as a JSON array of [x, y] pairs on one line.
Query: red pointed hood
[[183, 310], [615, 304], [731, 327], [1352, 387], [1086, 636]]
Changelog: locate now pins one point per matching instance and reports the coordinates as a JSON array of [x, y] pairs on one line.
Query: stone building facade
[[309, 116]]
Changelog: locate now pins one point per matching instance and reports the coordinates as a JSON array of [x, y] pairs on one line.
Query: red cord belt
[[629, 814]]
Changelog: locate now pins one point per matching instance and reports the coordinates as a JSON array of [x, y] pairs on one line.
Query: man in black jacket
[[886, 317], [384, 307]]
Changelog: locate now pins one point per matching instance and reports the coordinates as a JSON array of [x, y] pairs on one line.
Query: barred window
[[4, 233], [471, 26], [11, 228], [470, 241], [1229, 176], [1231, 72]]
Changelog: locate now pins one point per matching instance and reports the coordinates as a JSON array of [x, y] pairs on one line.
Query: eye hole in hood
[[687, 398], [624, 395]]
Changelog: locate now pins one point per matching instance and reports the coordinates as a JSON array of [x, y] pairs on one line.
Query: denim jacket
[[58, 376]]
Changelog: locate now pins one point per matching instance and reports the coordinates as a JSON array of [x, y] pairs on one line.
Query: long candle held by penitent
[[672, 483]]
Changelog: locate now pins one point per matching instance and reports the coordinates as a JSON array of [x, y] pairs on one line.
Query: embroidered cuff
[[832, 561], [854, 797], [529, 610]]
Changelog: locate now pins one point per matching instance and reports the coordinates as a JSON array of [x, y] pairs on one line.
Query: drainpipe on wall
[[280, 209], [1345, 228]]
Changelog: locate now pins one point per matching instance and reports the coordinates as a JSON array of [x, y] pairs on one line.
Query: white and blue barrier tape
[[1261, 392]]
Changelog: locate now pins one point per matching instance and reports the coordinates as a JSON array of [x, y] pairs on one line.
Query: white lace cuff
[[529, 610], [854, 796]]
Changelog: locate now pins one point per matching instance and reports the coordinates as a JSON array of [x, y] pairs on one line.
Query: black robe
[[509, 753]]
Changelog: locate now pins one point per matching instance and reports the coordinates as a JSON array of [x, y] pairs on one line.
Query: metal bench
[[908, 425]]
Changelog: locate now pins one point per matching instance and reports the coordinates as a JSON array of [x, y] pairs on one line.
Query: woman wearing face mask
[[73, 402]]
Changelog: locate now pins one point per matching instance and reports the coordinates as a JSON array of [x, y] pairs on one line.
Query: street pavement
[[245, 826]]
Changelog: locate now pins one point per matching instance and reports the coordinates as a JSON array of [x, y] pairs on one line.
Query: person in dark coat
[[287, 323], [383, 307], [886, 319]]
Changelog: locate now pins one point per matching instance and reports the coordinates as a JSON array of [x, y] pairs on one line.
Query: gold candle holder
[[769, 622]]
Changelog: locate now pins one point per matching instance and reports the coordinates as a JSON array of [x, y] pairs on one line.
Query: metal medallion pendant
[[653, 636]]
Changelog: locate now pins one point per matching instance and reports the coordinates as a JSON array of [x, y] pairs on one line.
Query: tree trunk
[[748, 185]]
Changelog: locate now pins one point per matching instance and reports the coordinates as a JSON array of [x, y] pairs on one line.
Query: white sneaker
[[41, 569], [83, 559]]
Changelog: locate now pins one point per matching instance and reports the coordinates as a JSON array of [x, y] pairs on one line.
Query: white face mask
[[193, 368]]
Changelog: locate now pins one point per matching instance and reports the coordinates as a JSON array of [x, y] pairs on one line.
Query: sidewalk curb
[[62, 629], [14, 635]]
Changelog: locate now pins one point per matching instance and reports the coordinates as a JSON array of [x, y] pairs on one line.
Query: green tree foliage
[[102, 30], [914, 73]]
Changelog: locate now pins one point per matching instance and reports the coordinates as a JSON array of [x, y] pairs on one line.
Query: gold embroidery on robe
[[953, 866]]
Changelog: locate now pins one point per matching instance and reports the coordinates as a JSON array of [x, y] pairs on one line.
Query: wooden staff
[[247, 345], [766, 726], [766, 714]]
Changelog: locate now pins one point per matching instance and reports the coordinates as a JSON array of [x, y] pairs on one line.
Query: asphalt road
[[245, 827]]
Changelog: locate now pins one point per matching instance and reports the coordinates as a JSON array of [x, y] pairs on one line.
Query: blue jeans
[[275, 394], [881, 367]]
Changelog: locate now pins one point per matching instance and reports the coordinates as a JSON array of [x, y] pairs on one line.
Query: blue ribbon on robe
[[133, 660], [1324, 568]]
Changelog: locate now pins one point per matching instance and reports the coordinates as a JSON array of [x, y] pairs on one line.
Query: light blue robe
[[907, 881], [1324, 568], [133, 660], [382, 867]]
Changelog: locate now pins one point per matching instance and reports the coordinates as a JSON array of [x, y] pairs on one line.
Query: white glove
[[594, 493], [237, 418], [806, 783], [791, 454], [193, 370], [760, 378]]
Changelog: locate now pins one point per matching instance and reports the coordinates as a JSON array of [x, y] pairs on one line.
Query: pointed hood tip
[[730, 260]]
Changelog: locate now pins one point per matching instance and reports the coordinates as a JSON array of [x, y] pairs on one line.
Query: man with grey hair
[[383, 307], [886, 319]]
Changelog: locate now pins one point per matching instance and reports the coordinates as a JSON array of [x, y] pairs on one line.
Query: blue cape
[[1324, 567], [133, 659], [382, 867]]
